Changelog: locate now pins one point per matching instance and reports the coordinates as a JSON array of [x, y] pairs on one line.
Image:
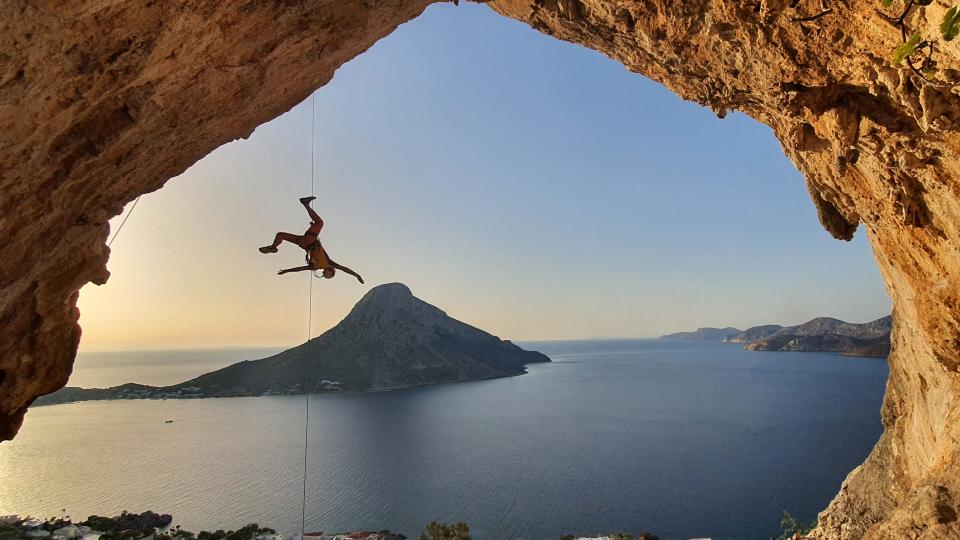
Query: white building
[[65, 533]]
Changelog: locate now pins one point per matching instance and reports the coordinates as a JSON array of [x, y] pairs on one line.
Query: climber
[[316, 256]]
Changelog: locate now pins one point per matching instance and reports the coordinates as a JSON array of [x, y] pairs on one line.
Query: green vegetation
[[916, 51], [621, 536], [131, 526], [134, 526], [245, 533], [442, 531], [791, 527], [950, 26], [10, 532]]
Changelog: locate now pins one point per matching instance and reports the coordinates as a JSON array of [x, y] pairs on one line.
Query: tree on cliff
[[913, 45], [442, 531]]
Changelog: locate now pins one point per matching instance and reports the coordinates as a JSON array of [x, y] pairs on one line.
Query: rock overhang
[[107, 101]]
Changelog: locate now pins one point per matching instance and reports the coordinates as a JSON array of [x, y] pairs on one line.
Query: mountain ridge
[[707, 333], [754, 333], [831, 335], [820, 334]]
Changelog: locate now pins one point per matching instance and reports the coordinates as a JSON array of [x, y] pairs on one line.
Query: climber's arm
[[347, 270], [296, 269]]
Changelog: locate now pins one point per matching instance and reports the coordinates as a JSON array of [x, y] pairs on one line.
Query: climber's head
[[328, 272]]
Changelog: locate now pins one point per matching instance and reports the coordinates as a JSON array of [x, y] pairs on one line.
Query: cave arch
[[107, 102]]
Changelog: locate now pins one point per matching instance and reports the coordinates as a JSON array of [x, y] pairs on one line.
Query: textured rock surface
[[101, 100]]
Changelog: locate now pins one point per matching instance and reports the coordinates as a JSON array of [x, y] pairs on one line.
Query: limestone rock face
[[102, 100]]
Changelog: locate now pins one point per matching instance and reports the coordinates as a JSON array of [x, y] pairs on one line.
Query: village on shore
[[152, 526]]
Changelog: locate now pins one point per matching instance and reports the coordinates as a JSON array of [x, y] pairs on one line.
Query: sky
[[527, 186]]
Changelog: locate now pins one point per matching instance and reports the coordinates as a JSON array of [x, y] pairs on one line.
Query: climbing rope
[[122, 223], [306, 425], [310, 276]]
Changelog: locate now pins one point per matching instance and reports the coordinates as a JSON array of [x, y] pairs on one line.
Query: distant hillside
[[827, 334], [878, 328], [814, 327], [754, 333], [852, 346], [390, 339], [703, 334], [819, 334]]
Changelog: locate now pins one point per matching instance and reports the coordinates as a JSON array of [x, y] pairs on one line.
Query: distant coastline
[[75, 394], [822, 334]]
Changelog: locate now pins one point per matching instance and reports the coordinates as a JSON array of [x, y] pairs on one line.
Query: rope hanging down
[[310, 276], [122, 223]]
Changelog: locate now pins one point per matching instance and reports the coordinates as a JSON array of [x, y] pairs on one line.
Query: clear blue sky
[[528, 186]]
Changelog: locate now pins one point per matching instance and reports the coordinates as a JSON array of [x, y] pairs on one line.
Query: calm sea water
[[682, 439], [159, 368]]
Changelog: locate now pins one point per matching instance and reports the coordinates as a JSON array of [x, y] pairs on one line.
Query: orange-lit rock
[[103, 100]]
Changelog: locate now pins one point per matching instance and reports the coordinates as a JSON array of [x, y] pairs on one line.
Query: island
[[390, 339]]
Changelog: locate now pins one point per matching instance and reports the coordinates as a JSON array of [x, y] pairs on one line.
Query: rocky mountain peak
[[388, 293], [386, 298], [389, 304]]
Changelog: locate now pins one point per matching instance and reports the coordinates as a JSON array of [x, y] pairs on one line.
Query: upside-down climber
[[317, 258]]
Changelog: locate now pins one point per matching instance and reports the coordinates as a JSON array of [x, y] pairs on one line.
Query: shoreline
[[290, 394]]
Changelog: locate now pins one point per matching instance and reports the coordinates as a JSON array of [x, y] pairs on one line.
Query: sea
[[682, 439]]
